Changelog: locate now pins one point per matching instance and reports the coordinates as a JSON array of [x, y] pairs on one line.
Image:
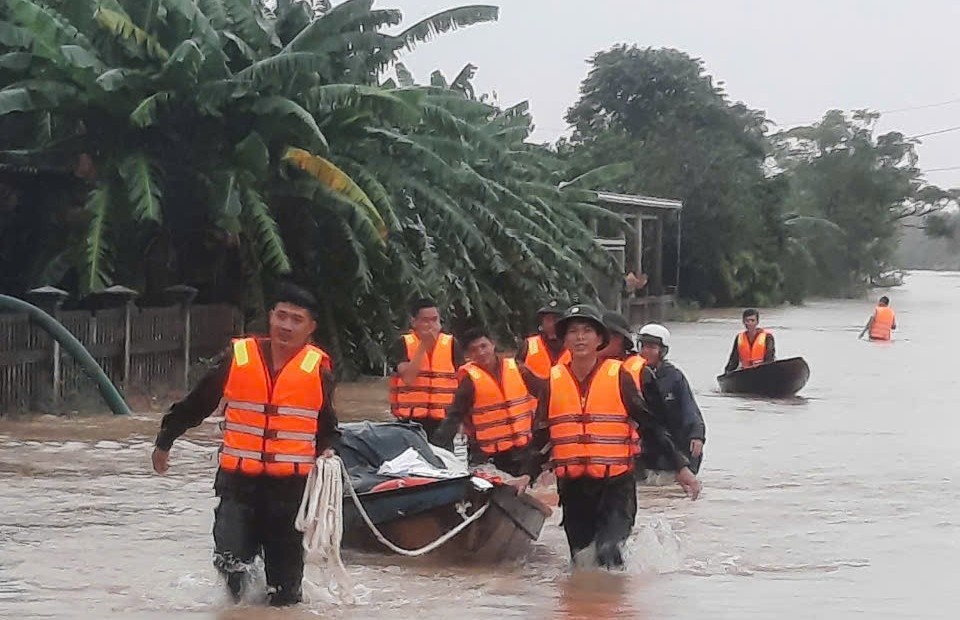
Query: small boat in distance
[[777, 379]]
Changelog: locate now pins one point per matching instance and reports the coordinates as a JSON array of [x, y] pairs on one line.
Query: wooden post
[[657, 275], [184, 296], [109, 296], [127, 341], [50, 299], [186, 346]]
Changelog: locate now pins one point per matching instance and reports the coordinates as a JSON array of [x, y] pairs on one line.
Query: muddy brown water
[[840, 504]]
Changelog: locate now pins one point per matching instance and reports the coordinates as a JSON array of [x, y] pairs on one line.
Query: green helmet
[[619, 325], [551, 307], [583, 312]]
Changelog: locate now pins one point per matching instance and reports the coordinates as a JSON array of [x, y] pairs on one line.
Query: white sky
[[793, 59]]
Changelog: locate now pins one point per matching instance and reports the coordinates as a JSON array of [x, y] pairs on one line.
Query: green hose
[[69, 342]]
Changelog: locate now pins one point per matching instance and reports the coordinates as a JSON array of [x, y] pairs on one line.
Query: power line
[[925, 106], [922, 106], [934, 133]]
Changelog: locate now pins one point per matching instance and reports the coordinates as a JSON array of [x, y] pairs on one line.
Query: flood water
[[841, 504]]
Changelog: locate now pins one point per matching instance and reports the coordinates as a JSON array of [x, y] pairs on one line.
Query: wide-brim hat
[[583, 312]]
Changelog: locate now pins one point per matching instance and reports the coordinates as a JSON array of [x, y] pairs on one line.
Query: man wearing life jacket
[[882, 322], [425, 369], [753, 346], [684, 419], [542, 350], [587, 407], [622, 347], [496, 404], [277, 395]]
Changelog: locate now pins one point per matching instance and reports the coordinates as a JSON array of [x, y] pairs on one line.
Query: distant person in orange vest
[[495, 402], [753, 346], [591, 409], [542, 350], [425, 369], [278, 417], [882, 322]]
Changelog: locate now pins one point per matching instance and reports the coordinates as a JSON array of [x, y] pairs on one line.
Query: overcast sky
[[794, 59]]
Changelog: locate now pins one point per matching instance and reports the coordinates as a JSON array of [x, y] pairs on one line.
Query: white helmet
[[656, 334]]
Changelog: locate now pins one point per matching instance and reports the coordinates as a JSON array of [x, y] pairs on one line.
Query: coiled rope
[[320, 518]]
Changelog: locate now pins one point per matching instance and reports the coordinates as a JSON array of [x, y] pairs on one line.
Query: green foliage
[[862, 185], [686, 141], [227, 145]]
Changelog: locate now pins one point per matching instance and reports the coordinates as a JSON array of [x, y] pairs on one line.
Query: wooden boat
[[777, 379], [412, 512]]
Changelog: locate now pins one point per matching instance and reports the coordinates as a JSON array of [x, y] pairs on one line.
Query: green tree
[[687, 141], [865, 184], [226, 144]]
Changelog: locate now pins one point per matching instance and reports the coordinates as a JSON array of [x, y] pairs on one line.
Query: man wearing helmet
[[587, 406], [542, 350], [684, 418]]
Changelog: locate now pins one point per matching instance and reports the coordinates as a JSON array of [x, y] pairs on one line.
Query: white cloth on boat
[[410, 463]]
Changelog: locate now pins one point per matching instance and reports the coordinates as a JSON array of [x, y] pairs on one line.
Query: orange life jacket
[[882, 326], [591, 434], [433, 389], [538, 358], [501, 419], [752, 355], [634, 365], [270, 427]]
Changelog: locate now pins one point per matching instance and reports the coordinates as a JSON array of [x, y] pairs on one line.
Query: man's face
[[426, 322], [548, 325], [750, 322], [650, 351], [290, 325], [614, 348], [582, 339], [482, 351]]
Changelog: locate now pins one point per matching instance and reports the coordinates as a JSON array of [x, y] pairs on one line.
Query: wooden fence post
[[127, 295], [184, 295], [50, 299]]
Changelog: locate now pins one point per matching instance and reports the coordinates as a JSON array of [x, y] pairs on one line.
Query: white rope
[[320, 518]]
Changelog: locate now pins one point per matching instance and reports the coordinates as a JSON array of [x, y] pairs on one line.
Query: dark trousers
[[245, 527], [599, 512]]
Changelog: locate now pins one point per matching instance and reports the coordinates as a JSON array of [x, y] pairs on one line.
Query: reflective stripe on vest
[[501, 418], [433, 389], [270, 426], [882, 326], [590, 433], [752, 355], [538, 358]]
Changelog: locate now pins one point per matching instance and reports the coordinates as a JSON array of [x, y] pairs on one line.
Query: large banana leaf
[[337, 180], [448, 20]]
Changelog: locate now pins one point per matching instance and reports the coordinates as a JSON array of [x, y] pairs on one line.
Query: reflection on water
[[837, 504]]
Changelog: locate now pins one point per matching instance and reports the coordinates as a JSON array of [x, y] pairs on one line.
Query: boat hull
[[414, 517], [778, 379]]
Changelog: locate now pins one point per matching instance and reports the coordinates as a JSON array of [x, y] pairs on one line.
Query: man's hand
[[428, 338], [328, 453], [161, 460], [687, 480], [696, 448]]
